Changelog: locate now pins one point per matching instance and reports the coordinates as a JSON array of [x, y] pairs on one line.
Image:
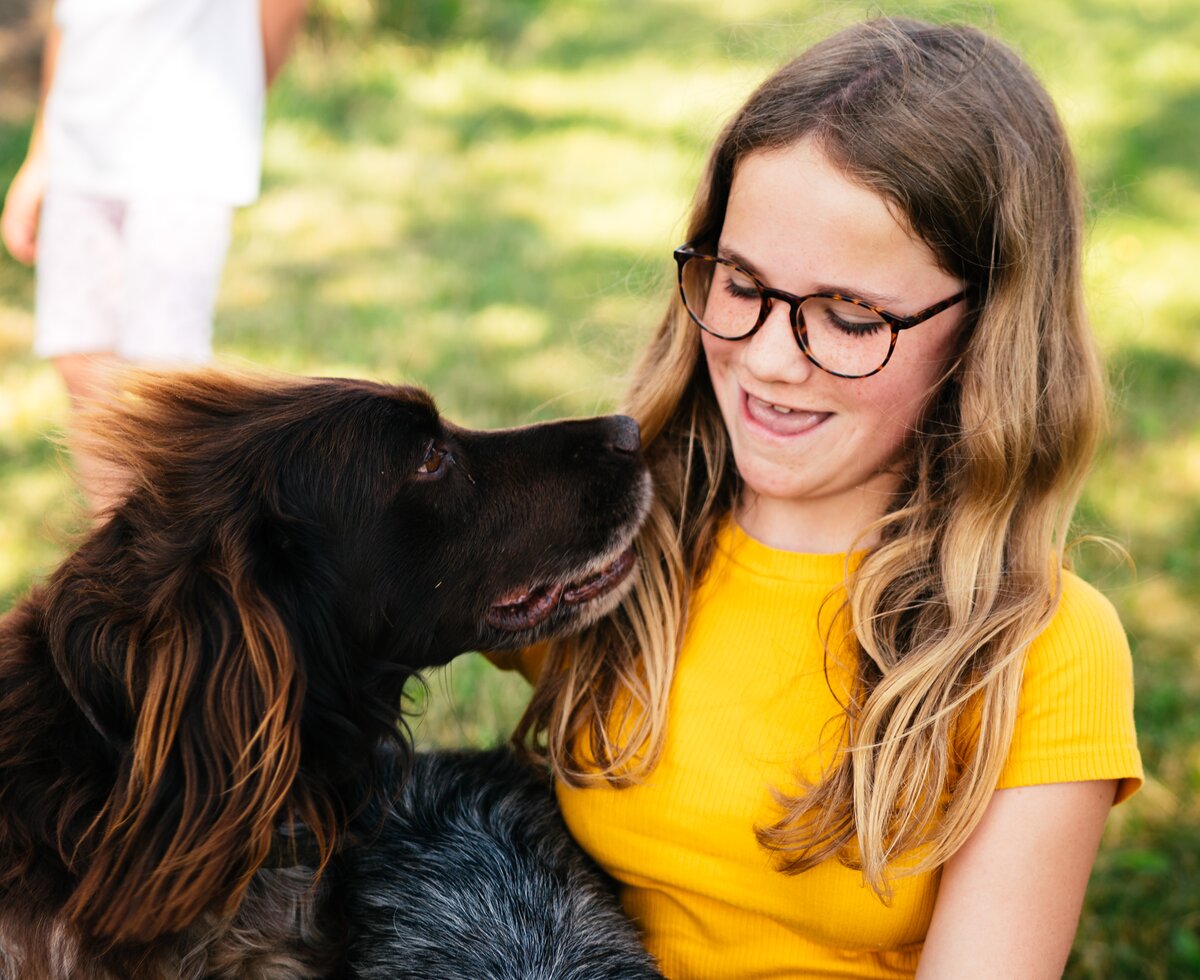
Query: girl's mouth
[[780, 420]]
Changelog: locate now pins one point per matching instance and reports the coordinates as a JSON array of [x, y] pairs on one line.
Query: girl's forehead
[[799, 221]]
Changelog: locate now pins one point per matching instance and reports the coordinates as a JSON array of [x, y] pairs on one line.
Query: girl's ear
[[216, 696]]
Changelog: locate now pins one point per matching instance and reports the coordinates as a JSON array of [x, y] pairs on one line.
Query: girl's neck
[[811, 526]]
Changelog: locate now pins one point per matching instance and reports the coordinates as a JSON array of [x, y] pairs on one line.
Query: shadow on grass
[[1158, 406], [1165, 132], [1166, 139], [563, 37], [41, 515], [1157, 392], [377, 110], [14, 141], [371, 103], [1158, 395], [1141, 918], [467, 259], [16, 281], [433, 22]]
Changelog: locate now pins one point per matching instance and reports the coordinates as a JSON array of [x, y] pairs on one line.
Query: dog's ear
[[209, 770]]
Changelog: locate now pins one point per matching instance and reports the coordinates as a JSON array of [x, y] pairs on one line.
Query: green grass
[[480, 197]]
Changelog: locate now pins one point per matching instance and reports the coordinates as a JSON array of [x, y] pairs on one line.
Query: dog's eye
[[431, 465]]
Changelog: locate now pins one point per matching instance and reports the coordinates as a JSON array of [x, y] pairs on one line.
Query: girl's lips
[[780, 420]]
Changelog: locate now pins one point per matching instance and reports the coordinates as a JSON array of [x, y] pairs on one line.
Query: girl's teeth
[[781, 410]]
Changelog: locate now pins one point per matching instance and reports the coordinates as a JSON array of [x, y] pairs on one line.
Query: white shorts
[[138, 279]]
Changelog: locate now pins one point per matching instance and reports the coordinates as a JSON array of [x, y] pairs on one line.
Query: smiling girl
[[857, 718]]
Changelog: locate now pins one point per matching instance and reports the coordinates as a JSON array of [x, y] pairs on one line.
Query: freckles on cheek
[[888, 414]]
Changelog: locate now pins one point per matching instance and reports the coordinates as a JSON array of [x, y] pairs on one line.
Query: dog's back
[[474, 874]]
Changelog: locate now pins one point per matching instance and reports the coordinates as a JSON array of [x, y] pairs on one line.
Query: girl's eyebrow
[[875, 299]]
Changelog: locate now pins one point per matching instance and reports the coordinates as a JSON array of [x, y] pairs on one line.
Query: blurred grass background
[[480, 196]]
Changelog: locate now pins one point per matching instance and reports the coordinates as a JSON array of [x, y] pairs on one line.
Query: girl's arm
[[281, 19], [1009, 900]]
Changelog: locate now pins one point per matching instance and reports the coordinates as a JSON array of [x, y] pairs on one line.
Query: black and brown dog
[[203, 687]]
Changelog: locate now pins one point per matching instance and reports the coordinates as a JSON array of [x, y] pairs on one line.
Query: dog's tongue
[[525, 608]]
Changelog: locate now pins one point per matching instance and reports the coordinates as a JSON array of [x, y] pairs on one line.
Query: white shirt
[[157, 97]]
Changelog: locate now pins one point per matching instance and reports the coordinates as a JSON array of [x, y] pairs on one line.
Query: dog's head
[[285, 554]]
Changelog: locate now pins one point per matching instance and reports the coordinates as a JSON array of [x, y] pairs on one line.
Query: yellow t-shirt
[[750, 706]]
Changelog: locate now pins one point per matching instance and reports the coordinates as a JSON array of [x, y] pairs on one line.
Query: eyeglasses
[[843, 335]]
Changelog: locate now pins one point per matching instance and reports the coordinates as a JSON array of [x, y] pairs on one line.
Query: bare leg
[[89, 377]]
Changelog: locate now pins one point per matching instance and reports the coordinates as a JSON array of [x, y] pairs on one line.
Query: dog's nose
[[624, 435]]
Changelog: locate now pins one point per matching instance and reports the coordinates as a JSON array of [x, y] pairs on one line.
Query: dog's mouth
[[527, 607]]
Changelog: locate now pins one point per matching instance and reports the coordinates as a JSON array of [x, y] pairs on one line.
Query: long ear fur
[[211, 767], [182, 663]]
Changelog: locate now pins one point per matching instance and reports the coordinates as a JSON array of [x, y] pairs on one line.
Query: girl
[[856, 718]]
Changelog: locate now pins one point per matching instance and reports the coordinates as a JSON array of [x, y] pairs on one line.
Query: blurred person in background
[[148, 134]]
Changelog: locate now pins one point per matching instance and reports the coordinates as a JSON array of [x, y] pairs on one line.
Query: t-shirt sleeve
[[1075, 718]]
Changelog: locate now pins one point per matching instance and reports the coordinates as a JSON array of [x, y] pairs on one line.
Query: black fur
[[473, 874]]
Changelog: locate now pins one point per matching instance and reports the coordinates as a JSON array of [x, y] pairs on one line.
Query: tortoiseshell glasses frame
[[767, 294]]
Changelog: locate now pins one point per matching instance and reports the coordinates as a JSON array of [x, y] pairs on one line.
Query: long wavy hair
[[953, 130]]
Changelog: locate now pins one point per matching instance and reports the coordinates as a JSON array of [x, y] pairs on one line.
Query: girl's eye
[[856, 328], [742, 290], [431, 465], [739, 286], [848, 319]]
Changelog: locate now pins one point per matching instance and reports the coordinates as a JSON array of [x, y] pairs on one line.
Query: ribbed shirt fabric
[[752, 705]]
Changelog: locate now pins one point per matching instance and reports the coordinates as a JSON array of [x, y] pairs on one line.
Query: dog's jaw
[[573, 599], [528, 607]]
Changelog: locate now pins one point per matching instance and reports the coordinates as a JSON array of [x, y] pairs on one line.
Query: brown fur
[[223, 654]]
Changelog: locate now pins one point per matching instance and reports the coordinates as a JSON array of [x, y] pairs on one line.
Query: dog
[[203, 701]]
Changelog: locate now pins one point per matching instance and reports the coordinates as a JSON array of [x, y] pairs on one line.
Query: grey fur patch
[[474, 875]]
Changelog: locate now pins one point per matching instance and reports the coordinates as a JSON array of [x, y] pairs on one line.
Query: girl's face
[[819, 454]]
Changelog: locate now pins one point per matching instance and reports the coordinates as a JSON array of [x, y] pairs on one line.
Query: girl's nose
[[772, 354]]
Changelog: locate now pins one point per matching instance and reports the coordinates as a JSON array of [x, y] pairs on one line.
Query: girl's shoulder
[[1085, 623], [1075, 715]]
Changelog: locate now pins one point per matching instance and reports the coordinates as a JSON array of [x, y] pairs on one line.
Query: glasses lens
[[723, 299], [844, 337]]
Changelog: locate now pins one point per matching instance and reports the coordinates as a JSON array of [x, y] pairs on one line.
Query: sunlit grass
[[38, 502]]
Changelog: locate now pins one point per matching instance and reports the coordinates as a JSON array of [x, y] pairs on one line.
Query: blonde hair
[[954, 131]]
